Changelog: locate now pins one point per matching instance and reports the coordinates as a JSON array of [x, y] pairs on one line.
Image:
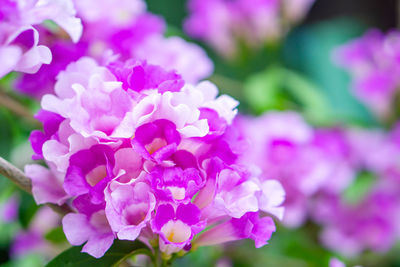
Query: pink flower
[[9, 209], [121, 31], [174, 53], [89, 225], [46, 184], [372, 60], [177, 226], [19, 40], [370, 216], [223, 23], [129, 208], [280, 143], [247, 226], [306, 161], [142, 154], [334, 262], [31, 240]]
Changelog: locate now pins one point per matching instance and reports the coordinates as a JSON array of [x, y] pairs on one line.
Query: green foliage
[[6, 134], [262, 90], [173, 11], [309, 50], [27, 209], [278, 88], [120, 250], [30, 260], [56, 235], [360, 188], [203, 256]]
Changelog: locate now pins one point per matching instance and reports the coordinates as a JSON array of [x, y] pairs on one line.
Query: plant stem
[[17, 108], [15, 175], [18, 177]]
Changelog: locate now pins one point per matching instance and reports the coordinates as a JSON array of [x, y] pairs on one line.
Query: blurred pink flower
[[223, 24], [373, 62], [19, 40]]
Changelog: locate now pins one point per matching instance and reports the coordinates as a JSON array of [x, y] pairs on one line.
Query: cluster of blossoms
[[224, 24], [140, 153], [373, 61], [120, 31], [371, 214], [319, 168], [19, 39], [31, 239], [302, 159]]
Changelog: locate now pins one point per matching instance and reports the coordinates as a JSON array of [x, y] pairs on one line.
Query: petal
[[46, 188], [76, 228]]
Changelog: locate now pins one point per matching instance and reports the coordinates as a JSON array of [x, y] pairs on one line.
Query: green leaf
[[280, 88], [28, 260], [263, 90], [359, 189], [308, 49], [27, 209], [315, 107], [119, 251], [56, 235]]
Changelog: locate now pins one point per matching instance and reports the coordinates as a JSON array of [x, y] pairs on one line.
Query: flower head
[[143, 154], [19, 39], [372, 61], [224, 24]]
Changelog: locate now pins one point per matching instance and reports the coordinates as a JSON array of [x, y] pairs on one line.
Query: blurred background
[[321, 94]]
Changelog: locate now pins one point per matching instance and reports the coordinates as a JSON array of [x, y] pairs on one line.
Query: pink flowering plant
[[140, 154], [272, 138]]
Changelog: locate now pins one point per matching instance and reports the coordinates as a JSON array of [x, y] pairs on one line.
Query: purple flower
[[157, 140], [372, 60], [89, 225], [335, 148], [142, 154], [89, 172], [9, 209], [175, 184], [223, 23], [281, 145], [32, 240], [177, 225], [51, 122], [174, 53], [63, 52], [234, 195], [370, 216], [334, 262], [247, 226], [369, 225], [110, 32], [19, 40], [47, 185], [129, 208]]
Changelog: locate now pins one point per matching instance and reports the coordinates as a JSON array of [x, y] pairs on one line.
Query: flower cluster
[[224, 23], [142, 154], [19, 40], [373, 63], [331, 176], [372, 210], [32, 239], [304, 160], [120, 31]]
